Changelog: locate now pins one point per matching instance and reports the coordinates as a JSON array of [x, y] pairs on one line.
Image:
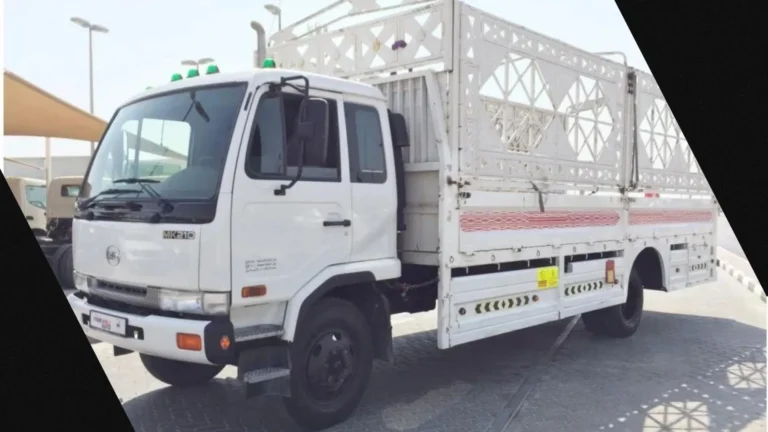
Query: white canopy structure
[[31, 111]]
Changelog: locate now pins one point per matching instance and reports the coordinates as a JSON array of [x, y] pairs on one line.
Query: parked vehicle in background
[[62, 194], [57, 240], [30, 195], [432, 157]]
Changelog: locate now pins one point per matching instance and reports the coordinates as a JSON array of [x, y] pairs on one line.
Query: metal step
[[267, 381], [257, 332], [267, 374]]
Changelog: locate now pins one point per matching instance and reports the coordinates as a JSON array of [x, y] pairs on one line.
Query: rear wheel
[[178, 373], [620, 321], [332, 359]]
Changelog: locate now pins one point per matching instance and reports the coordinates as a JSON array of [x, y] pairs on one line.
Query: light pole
[[276, 11], [197, 63], [91, 28]]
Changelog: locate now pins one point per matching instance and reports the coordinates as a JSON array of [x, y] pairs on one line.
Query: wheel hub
[[330, 364]]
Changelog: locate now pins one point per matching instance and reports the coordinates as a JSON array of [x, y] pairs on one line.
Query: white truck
[[432, 157], [30, 195]]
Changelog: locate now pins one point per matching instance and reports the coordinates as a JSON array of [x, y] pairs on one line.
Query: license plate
[[108, 323]]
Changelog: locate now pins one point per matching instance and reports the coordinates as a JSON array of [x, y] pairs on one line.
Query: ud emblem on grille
[[113, 255]]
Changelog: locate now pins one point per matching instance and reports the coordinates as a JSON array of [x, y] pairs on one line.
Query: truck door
[[372, 177], [282, 241]]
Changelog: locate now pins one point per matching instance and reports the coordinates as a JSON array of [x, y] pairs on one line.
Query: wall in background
[[60, 166]]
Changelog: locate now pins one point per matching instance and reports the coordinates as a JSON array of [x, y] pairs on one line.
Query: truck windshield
[[177, 142], [36, 195]]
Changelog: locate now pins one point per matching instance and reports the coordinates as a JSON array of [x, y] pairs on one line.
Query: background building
[[60, 166], [77, 165]]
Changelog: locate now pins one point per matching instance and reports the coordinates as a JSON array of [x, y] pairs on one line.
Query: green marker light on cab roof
[[176, 77], [193, 73], [212, 69], [268, 63]]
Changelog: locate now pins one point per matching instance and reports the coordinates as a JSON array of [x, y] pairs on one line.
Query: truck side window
[[273, 152], [366, 144]]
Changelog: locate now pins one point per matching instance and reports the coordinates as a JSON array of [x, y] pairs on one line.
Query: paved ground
[[697, 363]]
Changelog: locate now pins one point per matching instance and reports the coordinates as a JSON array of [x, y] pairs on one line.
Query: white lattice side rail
[[560, 110], [665, 159], [400, 40]]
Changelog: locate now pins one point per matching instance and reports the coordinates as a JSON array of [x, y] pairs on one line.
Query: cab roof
[[26, 180], [67, 180], [317, 81]]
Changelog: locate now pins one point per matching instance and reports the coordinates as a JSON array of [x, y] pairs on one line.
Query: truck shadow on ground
[[679, 372]]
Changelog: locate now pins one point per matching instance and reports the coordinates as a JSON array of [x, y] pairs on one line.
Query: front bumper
[[157, 335]]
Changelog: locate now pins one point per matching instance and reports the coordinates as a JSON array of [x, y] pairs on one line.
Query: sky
[[147, 41]]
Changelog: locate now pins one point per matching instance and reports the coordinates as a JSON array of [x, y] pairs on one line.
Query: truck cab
[[286, 187], [241, 137], [30, 195]]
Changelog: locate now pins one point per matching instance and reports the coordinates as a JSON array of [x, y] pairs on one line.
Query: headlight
[[83, 282], [195, 302]]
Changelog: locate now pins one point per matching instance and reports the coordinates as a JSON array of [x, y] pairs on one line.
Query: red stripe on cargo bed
[[504, 221], [651, 217]]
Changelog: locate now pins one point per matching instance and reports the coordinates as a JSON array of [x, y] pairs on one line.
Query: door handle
[[30, 218], [341, 223]]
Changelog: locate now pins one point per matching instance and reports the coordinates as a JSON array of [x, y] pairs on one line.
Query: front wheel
[[331, 363], [65, 267], [179, 373]]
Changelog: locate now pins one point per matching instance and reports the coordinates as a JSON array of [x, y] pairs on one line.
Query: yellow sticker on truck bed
[[547, 277]]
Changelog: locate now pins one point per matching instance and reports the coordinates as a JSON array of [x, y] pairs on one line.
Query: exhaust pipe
[[261, 43]]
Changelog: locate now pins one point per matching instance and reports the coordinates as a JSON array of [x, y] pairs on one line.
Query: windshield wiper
[[136, 180], [90, 202], [145, 186]]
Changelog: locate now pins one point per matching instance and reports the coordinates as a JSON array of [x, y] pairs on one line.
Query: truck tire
[[56, 264], [332, 359], [178, 373], [66, 267], [52, 265], [620, 321]]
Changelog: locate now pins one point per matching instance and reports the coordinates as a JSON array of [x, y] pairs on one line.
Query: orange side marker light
[[189, 342], [253, 291]]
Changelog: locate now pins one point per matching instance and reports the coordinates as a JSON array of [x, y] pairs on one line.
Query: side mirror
[[314, 131], [398, 130]]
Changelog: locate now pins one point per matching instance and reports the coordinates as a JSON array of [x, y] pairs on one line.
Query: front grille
[[121, 289], [120, 306]]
